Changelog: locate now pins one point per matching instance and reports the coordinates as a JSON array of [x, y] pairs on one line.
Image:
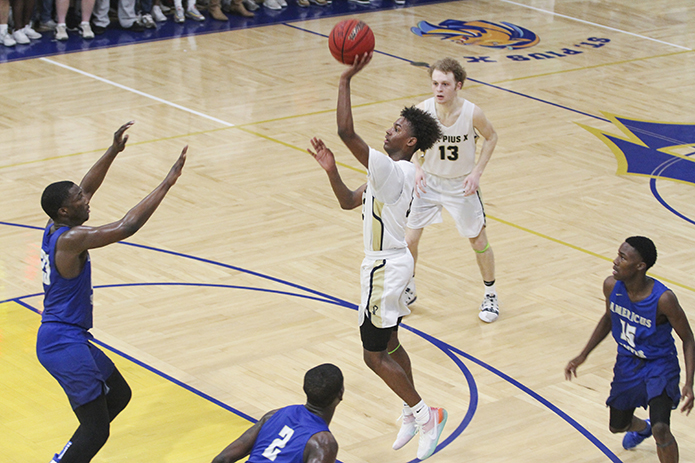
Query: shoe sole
[[445, 416]]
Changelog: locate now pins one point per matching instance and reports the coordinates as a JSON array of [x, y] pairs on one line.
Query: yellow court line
[[244, 128], [577, 248]]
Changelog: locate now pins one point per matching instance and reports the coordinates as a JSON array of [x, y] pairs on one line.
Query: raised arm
[[321, 448], [484, 128], [243, 445], [72, 244], [346, 127], [669, 307], [95, 176], [600, 332], [347, 198]]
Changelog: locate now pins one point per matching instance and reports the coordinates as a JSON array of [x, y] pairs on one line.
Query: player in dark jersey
[[95, 388], [298, 433], [640, 313]]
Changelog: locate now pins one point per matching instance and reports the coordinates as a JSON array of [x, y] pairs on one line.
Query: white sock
[[407, 411], [421, 412], [490, 290], [3, 28]]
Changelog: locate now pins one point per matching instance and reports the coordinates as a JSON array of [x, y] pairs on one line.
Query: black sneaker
[[136, 27], [98, 30]]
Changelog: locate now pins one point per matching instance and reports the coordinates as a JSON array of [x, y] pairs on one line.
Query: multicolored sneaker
[[633, 438], [407, 431], [430, 432]]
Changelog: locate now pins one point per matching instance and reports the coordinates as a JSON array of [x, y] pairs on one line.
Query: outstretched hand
[[119, 140], [177, 168], [361, 61], [323, 155]]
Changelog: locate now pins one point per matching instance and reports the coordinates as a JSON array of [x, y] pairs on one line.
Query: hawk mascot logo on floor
[[483, 33]]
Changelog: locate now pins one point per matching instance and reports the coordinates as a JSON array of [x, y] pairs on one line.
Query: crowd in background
[[22, 21]]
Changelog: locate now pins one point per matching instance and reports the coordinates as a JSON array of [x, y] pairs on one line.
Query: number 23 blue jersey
[[283, 437]]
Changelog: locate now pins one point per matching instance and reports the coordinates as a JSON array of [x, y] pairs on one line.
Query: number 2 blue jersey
[[634, 324], [66, 300], [283, 437]]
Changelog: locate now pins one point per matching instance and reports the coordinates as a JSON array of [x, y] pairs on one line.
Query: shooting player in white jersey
[[388, 265]]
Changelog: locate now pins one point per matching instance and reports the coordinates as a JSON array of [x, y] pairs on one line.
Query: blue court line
[[473, 391], [146, 366], [446, 348]]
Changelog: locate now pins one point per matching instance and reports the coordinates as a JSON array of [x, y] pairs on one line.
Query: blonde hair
[[447, 65]]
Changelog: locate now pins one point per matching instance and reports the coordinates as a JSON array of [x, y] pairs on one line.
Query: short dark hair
[[322, 384], [645, 248], [447, 65], [424, 127], [54, 196]]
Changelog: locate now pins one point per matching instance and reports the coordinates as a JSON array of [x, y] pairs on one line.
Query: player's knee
[[616, 430], [662, 433], [373, 359], [480, 243]]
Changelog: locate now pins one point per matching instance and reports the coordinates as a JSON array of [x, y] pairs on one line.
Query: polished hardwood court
[[248, 273]]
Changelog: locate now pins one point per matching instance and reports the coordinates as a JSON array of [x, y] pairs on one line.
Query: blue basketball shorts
[[636, 381], [80, 368]]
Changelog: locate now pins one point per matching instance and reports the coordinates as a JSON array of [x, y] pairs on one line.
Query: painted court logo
[[652, 149], [483, 33]]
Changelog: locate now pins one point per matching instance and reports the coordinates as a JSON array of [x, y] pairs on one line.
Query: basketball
[[350, 38]]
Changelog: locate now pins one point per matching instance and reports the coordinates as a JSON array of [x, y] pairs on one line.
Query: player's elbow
[[220, 459], [129, 227], [347, 206], [345, 133]]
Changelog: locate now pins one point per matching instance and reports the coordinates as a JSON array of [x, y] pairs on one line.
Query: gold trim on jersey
[[377, 225], [376, 292]]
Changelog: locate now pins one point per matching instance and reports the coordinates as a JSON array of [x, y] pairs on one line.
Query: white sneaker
[[61, 32], [272, 4], [178, 15], [193, 13], [147, 21], [430, 433], [410, 292], [165, 9], [282, 3], [20, 37], [157, 14], [7, 39], [489, 309], [31, 33], [407, 431], [250, 5], [86, 31]]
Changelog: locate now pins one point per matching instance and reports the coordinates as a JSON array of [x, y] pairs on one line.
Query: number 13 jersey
[[453, 155]]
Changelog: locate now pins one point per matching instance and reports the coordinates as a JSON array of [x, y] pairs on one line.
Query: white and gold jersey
[[453, 155], [386, 202]]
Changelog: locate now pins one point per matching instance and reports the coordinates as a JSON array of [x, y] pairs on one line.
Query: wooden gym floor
[[247, 275]]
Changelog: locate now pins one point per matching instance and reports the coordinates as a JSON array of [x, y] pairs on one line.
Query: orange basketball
[[350, 38]]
